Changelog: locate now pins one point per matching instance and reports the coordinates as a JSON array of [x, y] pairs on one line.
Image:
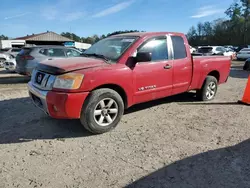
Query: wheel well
[[215, 74], [118, 89]]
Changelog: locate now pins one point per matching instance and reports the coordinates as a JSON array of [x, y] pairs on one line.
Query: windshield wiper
[[107, 60]]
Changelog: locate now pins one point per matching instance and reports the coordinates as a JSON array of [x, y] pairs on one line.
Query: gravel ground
[[173, 142]]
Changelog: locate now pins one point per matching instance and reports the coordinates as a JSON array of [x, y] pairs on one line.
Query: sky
[[88, 17]]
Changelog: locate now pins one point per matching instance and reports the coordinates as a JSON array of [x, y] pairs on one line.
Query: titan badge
[[146, 88]]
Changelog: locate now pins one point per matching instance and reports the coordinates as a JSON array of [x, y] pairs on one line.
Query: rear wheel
[[208, 90], [246, 65], [102, 111]]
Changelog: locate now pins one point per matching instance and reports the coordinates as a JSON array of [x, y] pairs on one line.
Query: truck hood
[[60, 66]]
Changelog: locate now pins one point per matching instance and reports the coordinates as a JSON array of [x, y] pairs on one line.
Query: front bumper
[[10, 67], [58, 104]]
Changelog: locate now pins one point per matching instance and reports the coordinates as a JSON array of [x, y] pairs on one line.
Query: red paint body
[[185, 74]]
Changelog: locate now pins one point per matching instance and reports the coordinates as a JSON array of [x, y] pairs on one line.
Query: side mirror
[[143, 57]]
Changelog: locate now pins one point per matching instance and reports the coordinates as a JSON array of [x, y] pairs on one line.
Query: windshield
[[4, 50], [111, 48]]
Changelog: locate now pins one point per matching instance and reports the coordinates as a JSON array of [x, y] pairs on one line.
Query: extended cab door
[[153, 79], [182, 65]]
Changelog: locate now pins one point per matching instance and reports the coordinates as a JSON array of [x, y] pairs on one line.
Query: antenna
[[71, 36]]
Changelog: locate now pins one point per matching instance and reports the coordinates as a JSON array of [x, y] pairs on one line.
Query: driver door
[[154, 79]]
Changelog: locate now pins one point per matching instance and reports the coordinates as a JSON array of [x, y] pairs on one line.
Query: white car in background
[[218, 50], [3, 58], [7, 53], [243, 54], [10, 64], [192, 49]]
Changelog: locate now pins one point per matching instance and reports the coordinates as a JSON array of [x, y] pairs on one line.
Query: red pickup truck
[[120, 71]]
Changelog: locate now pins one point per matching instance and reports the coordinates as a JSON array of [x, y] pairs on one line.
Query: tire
[[93, 105], [209, 83], [246, 66]]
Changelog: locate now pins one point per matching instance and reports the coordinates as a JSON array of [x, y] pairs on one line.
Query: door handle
[[167, 67]]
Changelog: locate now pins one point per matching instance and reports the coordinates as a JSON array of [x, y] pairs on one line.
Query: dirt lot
[[173, 142]]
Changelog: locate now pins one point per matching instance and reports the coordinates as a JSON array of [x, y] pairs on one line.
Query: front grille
[[42, 80]]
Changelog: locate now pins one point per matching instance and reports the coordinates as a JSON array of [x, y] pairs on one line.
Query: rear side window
[[72, 53], [205, 50], [179, 47], [56, 52]]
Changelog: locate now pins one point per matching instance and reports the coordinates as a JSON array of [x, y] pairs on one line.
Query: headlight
[[68, 81]]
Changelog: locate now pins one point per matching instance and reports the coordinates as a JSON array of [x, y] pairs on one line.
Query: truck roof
[[143, 34]]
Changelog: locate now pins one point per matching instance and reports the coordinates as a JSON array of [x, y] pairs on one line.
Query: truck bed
[[206, 65]]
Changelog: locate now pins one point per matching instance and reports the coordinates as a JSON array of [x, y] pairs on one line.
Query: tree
[[246, 16], [234, 30], [71, 36], [3, 37], [93, 39], [192, 35]]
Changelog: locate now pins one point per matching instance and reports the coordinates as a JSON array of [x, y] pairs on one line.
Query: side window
[[56, 52], [179, 47], [223, 49], [157, 47], [218, 49], [72, 53], [44, 52]]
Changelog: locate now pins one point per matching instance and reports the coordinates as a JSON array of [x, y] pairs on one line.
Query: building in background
[[46, 38], [12, 43]]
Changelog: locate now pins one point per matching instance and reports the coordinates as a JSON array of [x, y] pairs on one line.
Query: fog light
[[55, 108]]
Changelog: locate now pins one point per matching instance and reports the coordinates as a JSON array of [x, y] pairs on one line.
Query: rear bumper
[[57, 104]]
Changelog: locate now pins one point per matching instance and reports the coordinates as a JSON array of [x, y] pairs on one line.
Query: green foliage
[[93, 39], [232, 31], [3, 37]]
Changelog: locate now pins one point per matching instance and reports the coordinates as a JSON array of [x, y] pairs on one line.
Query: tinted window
[[44, 52], [179, 47], [205, 49], [72, 53], [157, 47], [56, 52], [25, 51], [16, 50]]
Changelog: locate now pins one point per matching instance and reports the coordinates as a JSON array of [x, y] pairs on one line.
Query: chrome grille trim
[[47, 82]]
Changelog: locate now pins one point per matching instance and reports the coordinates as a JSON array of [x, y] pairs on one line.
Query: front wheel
[[102, 111], [208, 90]]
